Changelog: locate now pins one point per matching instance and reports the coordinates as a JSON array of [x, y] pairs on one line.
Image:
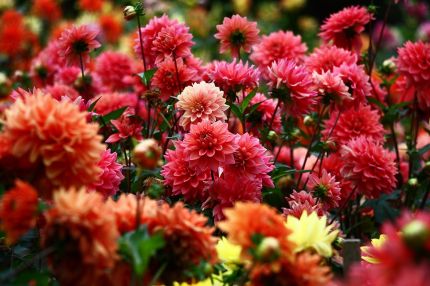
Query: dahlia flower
[[354, 122], [300, 202], [331, 88], [237, 33], [225, 192], [55, 134], [251, 160], [181, 177], [345, 26], [370, 168], [18, 211], [112, 68], [188, 241], [46, 64], [294, 84], [276, 46], [173, 41], [47, 10], [247, 219], [127, 126], [233, 77], [325, 188], [58, 91], [85, 222], [367, 251], [166, 77], [201, 101], [311, 232], [357, 81], [210, 145], [110, 176], [327, 57], [77, 42], [12, 37]]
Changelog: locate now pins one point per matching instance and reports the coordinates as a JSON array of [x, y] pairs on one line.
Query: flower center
[[237, 38], [80, 46]]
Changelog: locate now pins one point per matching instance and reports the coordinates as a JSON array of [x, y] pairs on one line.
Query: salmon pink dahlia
[[293, 84], [173, 41], [181, 177], [18, 211], [77, 42], [370, 168], [127, 126], [201, 101], [356, 79], [276, 46], [110, 177], [325, 188], [344, 27], [327, 57], [210, 145], [299, 202], [56, 135], [237, 33]]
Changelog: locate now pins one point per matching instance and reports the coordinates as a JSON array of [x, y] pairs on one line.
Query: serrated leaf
[[114, 114], [138, 247], [247, 100]]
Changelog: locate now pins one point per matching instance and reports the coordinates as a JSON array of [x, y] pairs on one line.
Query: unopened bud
[[272, 136], [413, 182], [129, 12], [329, 145], [286, 182], [268, 249], [388, 66], [147, 154], [416, 234], [308, 120]]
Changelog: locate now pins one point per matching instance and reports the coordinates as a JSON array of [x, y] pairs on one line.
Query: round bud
[[268, 249], [129, 12], [147, 154], [416, 234]]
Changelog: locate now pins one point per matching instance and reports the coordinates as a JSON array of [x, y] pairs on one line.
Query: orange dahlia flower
[[55, 137], [81, 229], [18, 211]]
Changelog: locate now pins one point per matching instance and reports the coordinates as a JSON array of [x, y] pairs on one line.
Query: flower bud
[[416, 234], [286, 182], [413, 182], [272, 136], [308, 121], [129, 13], [388, 66], [268, 249], [147, 154]]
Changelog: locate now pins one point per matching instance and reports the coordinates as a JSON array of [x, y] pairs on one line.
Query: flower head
[[327, 57], [110, 176], [237, 33], [113, 67], [18, 211], [357, 81], [210, 145], [300, 202], [77, 42], [369, 167], [201, 101], [56, 135], [344, 27], [311, 232], [128, 125], [276, 46], [331, 88], [294, 84], [326, 188], [172, 41]]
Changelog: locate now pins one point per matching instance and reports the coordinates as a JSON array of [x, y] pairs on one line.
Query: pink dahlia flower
[[166, 78], [77, 42], [326, 188], [225, 192], [173, 41], [201, 101], [237, 33], [300, 202], [276, 46], [233, 77], [294, 85], [352, 123], [327, 57], [370, 167], [127, 126], [345, 26], [112, 68], [110, 176], [210, 145], [251, 160], [357, 80], [331, 88], [181, 177]]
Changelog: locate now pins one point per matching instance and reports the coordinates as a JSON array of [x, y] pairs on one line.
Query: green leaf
[[247, 100], [424, 149], [114, 114], [146, 77], [138, 247], [235, 109], [93, 105], [376, 102], [253, 108]]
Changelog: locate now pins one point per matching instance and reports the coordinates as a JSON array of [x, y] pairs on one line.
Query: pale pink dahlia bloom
[[237, 33], [110, 176], [325, 188], [294, 85], [201, 101], [370, 167], [251, 160], [276, 46], [181, 177], [210, 145], [77, 42], [345, 26]]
